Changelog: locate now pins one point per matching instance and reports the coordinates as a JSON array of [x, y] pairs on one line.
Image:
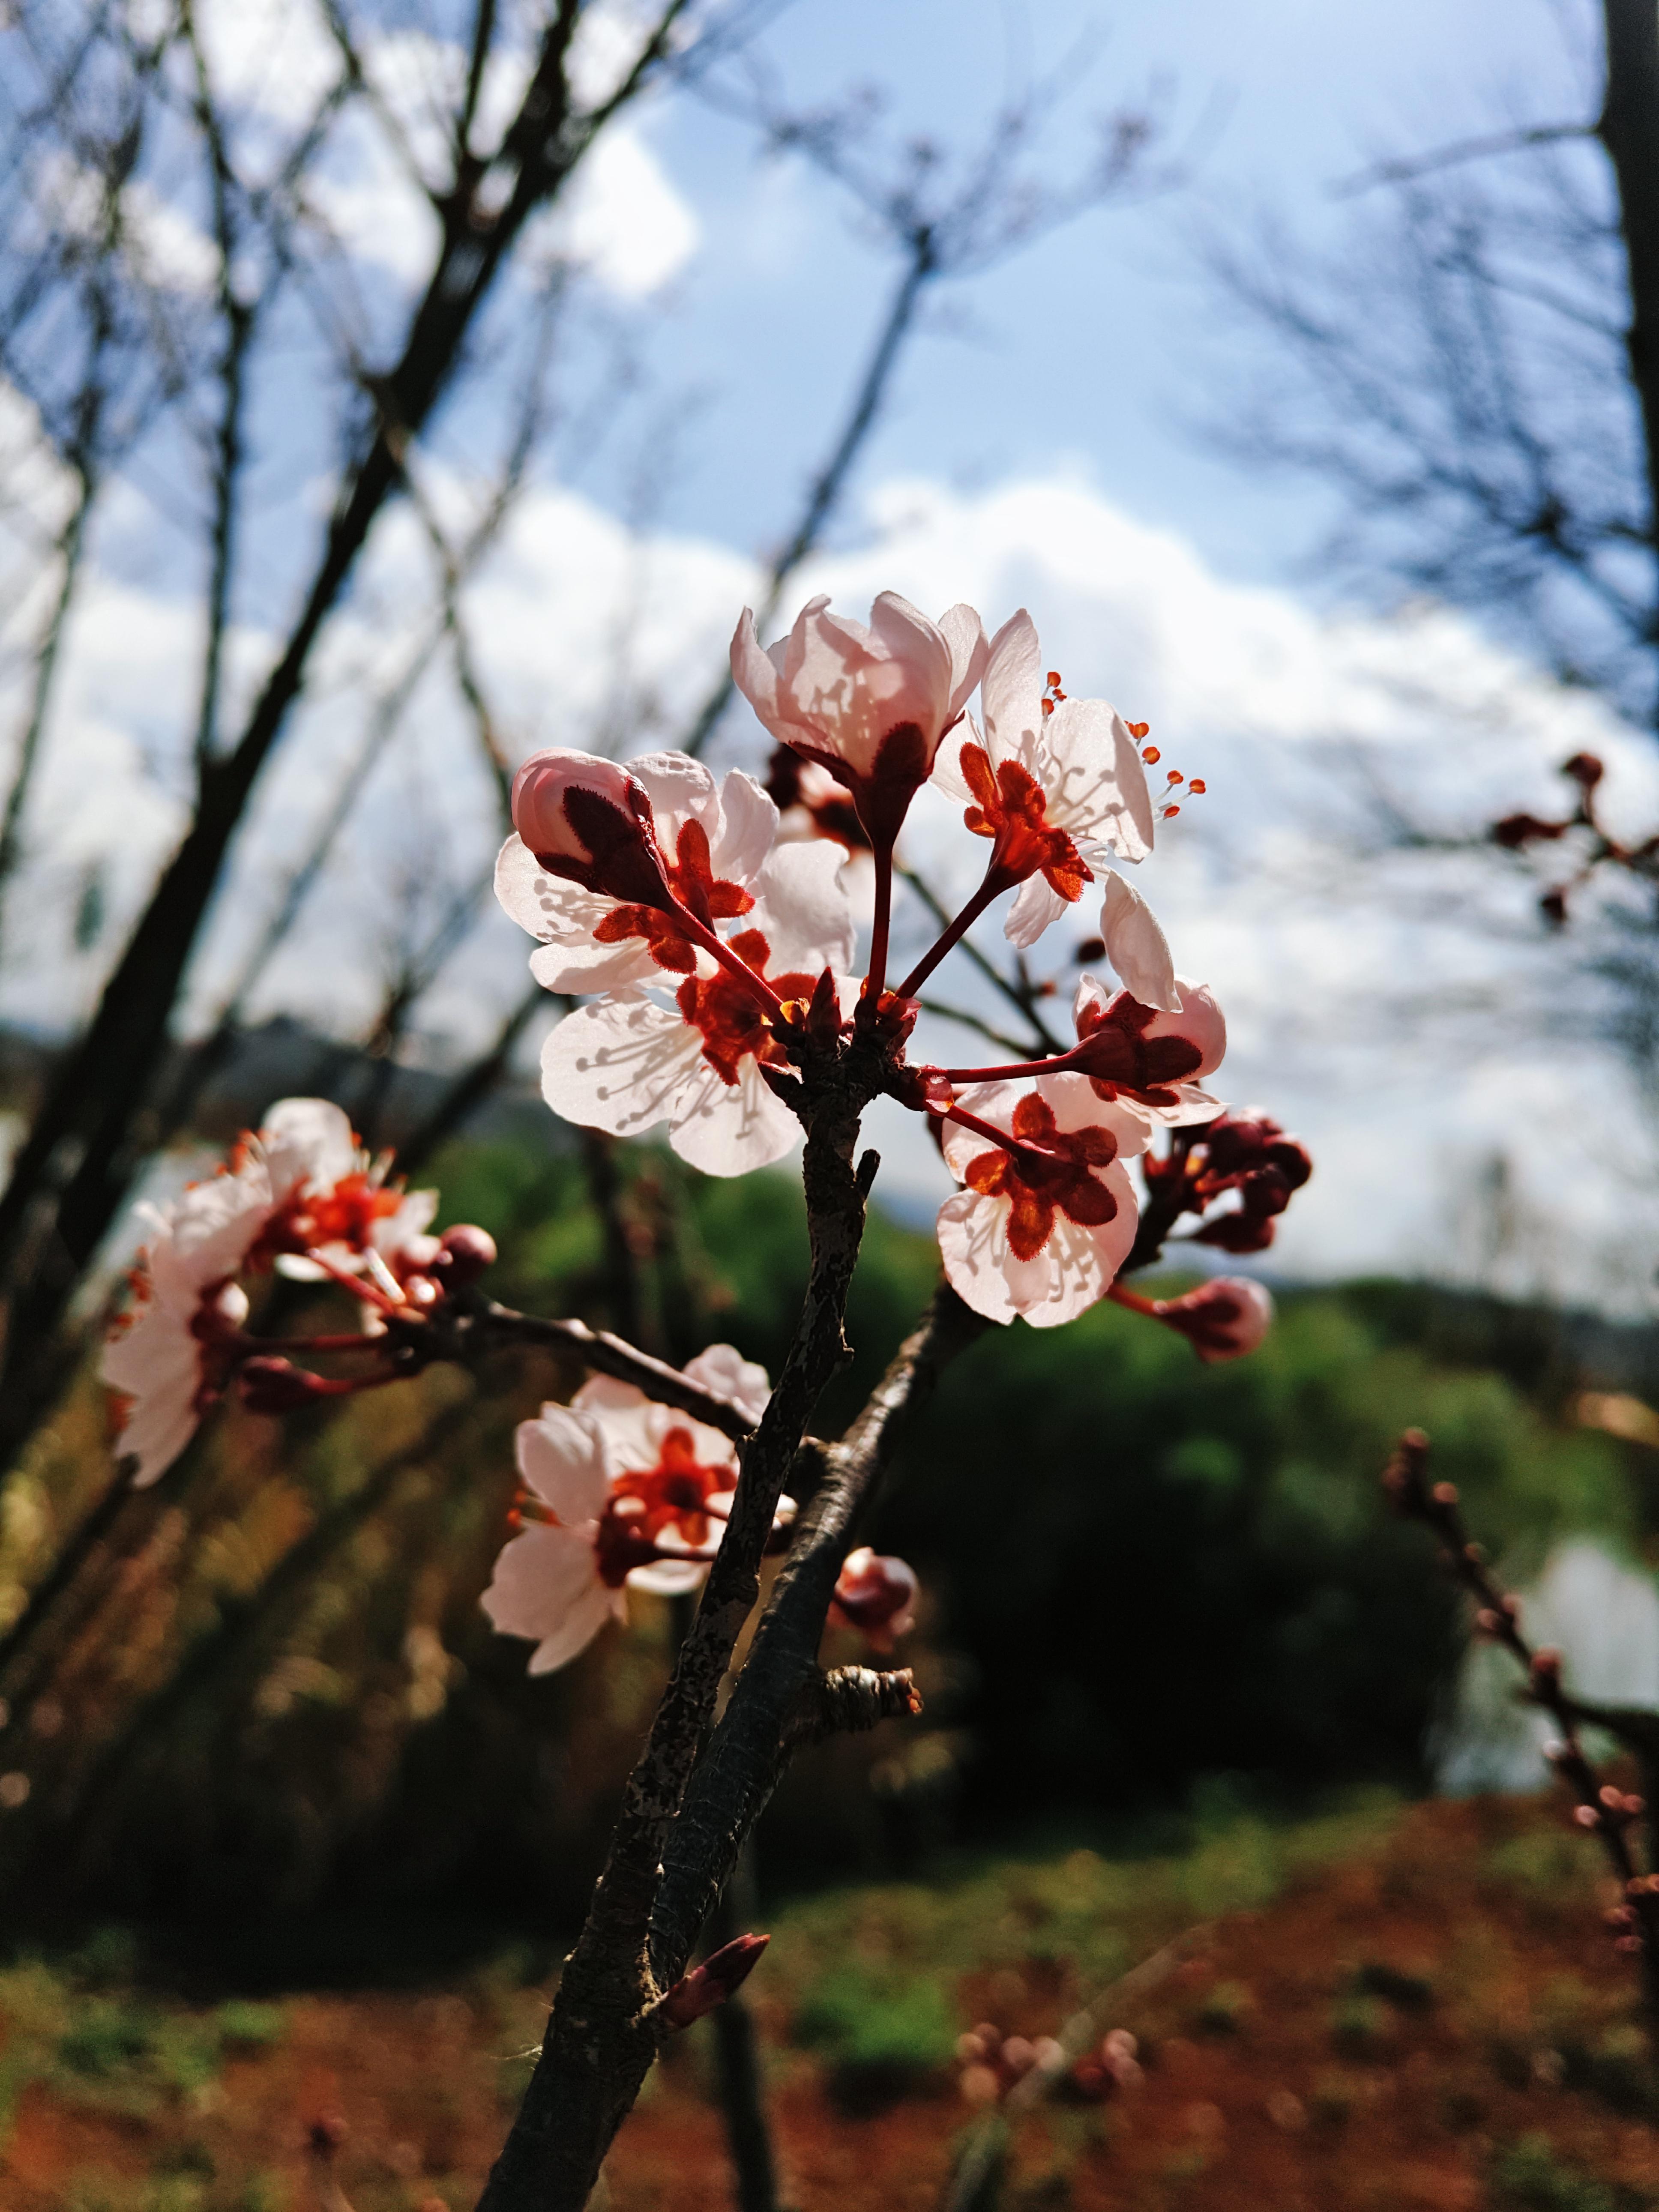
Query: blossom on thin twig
[[1223, 1319], [300, 1185], [629, 1062], [619, 1493], [678, 853], [868, 705], [1054, 791], [1044, 1222]]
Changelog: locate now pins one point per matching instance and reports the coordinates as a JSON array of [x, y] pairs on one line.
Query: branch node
[[849, 1700]]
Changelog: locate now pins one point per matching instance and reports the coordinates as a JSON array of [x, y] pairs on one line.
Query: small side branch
[[1603, 1810]]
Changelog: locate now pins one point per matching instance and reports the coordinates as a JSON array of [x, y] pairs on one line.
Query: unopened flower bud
[[1487, 1623], [875, 1595], [1587, 1816], [1630, 1944], [1444, 1493], [1585, 769], [709, 1984], [980, 2085], [1547, 1665], [468, 1250], [591, 822], [1223, 1319], [1017, 2055]]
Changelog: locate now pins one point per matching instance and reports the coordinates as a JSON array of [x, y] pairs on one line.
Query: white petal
[[1091, 774], [748, 829], [580, 1625], [561, 1457], [620, 1066], [1035, 906], [603, 1394], [723, 1368], [307, 1140], [964, 634], [1013, 691], [565, 917], [801, 909], [1137, 947], [947, 761], [680, 789], [544, 1586], [669, 1578], [727, 1129], [968, 1230]]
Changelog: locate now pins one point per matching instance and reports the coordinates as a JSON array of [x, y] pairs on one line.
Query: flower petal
[[561, 1457], [727, 1129], [1013, 691], [723, 1368], [965, 637], [1093, 779], [1036, 903], [801, 909], [307, 1140], [620, 1066], [1137, 947], [669, 1578]]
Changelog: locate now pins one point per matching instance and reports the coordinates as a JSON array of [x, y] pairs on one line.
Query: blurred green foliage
[[1147, 1584]]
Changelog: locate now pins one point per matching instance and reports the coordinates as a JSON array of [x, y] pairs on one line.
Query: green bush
[[881, 2032]]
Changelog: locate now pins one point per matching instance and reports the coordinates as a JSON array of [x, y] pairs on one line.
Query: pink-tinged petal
[[546, 1586], [969, 1245], [156, 1361], [621, 1065], [543, 783], [965, 637], [307, 1140], [1013, 691], [561, 1457], [681, 790], [1137, 947], [759, 674], [801, 909], [1036, 903], [947, 774], [669, 1578], [585, 1618], [1093, 778], [729, 1129], [565, 917], [1201, 1020], [922, 650], [604, 1394], [723, 1368], [397, 1232], [748, 829], [1076, 1106]]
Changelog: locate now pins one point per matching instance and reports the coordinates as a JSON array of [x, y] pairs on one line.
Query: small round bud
[[468, 1251], [1587, 1816], [1627, 1943], [1444, 1493]]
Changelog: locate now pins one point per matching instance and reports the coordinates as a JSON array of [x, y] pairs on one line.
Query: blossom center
[[730, 1018], [1012, 809], [1059, 1179]]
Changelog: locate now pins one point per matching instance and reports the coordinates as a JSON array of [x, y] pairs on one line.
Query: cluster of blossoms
[[299, 1198], [709, 928]]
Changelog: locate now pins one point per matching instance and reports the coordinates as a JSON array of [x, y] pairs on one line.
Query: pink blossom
[[875, 1594], [1043, 1224], [869, 705], [170, 1354], [1224, 1318], [620, 1493], [699, 1063], [705, 848], [1055, 791]]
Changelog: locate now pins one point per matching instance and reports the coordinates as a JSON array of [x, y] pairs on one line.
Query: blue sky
[[1097, 345]]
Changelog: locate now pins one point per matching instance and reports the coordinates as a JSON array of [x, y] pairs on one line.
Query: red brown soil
[[1297, 2106]]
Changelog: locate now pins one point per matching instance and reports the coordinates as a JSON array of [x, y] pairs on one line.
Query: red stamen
[[1151, 755]]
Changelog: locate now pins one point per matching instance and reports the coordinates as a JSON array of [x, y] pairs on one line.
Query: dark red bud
[[1585, 769], [710, 1984], [1553, 907], [468, 1250], [1092, 948]]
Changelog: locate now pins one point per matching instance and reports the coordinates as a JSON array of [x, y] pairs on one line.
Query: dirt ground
[[1436, 2020]]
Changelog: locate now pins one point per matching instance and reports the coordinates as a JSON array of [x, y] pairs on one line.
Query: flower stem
[[735, 965], [1015, 1071], [883, 856], [1122, 1295], [991, 888]]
